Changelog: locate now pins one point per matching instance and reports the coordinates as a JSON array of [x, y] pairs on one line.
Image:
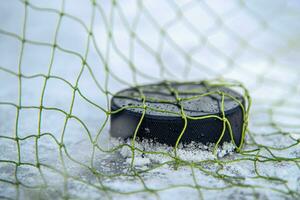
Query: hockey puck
[[157, 111]]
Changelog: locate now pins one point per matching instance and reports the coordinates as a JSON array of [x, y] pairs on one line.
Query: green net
[[61, 61]]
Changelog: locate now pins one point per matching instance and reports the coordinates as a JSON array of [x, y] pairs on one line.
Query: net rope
[[63, 149]]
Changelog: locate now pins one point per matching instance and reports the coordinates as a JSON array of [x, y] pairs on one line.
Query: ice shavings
[[148, 151]]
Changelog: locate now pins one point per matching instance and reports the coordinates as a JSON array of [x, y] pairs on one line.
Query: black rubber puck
[[165, 102]]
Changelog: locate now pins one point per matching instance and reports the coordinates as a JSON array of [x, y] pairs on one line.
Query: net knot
[[94, 2], [132, 34]]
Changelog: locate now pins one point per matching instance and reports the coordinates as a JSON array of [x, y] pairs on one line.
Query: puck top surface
[[196, 99]]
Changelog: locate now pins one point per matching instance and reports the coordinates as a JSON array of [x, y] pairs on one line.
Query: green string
[[256, 153]]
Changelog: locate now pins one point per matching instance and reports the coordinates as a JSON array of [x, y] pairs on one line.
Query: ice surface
[[254, 42]]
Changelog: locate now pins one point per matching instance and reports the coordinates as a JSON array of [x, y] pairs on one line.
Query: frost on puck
[[198, 112]]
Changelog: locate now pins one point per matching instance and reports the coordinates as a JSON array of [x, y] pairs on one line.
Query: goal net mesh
[[61, 61]]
